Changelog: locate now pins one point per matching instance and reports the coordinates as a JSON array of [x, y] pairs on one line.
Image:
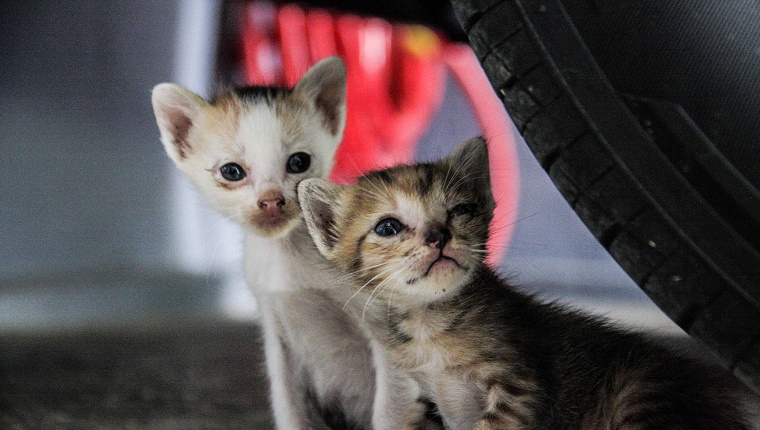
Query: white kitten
[[246, 151]]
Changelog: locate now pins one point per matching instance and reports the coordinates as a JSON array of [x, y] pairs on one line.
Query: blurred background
[[122, 302], [98, 230]]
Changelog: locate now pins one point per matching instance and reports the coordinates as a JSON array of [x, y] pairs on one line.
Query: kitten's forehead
[[260, 126], [259, 137], [412, 180], [411, 208], [413, 192]]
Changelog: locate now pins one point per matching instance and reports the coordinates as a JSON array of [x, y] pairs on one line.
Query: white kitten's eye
[[298, 163], [389, 227], [232, 172]]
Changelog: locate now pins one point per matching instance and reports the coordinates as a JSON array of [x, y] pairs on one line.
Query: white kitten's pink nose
[[271, 201]]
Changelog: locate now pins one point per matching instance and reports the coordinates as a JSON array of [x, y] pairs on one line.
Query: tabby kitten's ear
[[325, 85], [471, 160], [320, 203], [176, 109]]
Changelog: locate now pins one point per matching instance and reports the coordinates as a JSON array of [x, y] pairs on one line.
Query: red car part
[[396, 77]]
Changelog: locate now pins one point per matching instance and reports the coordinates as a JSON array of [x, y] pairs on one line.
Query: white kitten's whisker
[[353, 163]]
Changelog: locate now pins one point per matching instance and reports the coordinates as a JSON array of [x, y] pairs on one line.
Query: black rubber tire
[[649, 184]]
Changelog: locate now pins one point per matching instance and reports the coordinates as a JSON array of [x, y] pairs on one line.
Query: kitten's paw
[[431, 425], [497, 422], [423, 425], [419, 418]]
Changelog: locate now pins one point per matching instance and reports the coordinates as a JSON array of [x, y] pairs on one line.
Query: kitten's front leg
[[397, 404], [506, 404], [286, 391], [416, 418], [500, 417], [498, 422]]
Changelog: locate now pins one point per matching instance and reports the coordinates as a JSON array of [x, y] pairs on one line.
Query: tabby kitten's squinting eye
[[464, 210]]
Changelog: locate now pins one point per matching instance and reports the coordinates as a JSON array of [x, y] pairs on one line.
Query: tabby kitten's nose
[[437, 237]]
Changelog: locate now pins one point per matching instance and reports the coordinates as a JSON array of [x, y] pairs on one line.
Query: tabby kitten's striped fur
[[412, 239]]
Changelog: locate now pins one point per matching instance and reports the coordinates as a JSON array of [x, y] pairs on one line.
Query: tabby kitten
[[413, 239], [245, 151]]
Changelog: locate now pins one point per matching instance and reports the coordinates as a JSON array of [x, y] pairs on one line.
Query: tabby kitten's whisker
[[398, 269], [367, 283], [467, 178]]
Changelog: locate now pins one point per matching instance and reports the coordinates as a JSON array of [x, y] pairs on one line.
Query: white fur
[[309, 340], [410, 210], [311, 344]]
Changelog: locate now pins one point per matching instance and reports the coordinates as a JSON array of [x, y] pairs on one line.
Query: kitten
[[413, 240], [245, 151]]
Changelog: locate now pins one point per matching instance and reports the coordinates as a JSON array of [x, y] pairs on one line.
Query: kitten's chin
[[443, 280], [443, 267], [273, 227]]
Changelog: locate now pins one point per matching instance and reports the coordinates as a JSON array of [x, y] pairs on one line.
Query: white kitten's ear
[[176, 110], [471, 160], [325, 84], [320, 204]]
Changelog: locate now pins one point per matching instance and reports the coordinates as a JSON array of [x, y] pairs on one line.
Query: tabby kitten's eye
[[466, 210], [298, 163], [232, 172], [388, 227]]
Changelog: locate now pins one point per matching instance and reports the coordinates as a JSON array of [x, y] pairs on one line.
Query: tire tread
[[609, 197]]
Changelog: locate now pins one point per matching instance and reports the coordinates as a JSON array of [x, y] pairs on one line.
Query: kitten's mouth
[[272, 222], [443, 261]]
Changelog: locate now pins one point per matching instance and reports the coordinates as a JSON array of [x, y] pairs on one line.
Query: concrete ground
[[182, 376]]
